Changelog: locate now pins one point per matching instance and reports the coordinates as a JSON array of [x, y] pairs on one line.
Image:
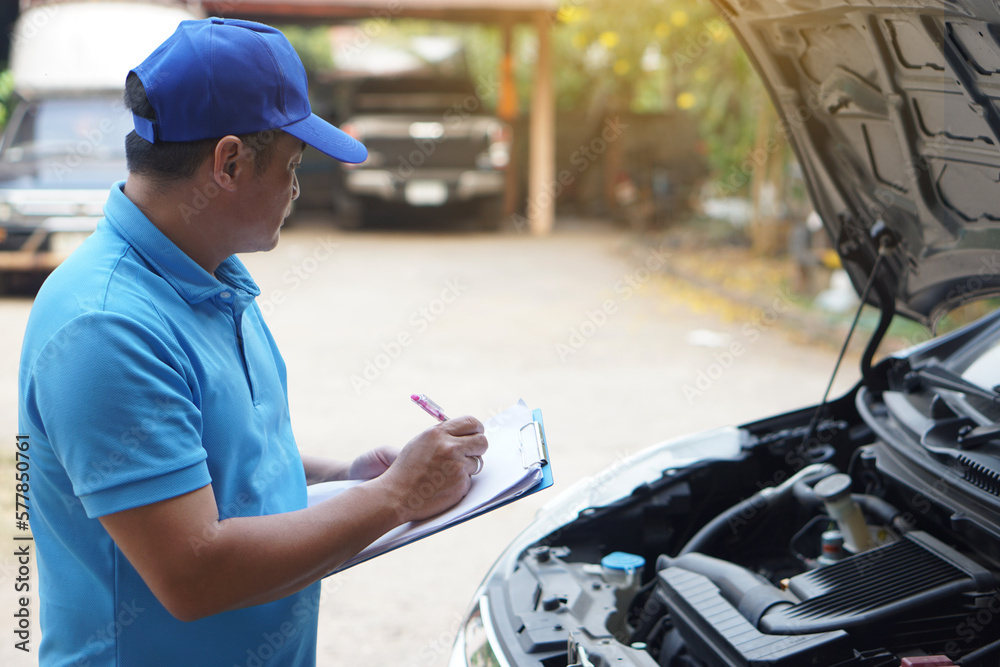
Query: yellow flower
[[608, 39], [686, 100], [662, 30], [622, 67], [831, 259], [572, 14], [679, 18]]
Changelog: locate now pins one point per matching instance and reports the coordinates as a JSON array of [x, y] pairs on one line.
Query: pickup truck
[[431, 142]]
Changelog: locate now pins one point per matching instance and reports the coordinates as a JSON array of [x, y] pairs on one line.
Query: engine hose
[[805, 495], [886, 513], [751, 594], [752, 506], [970, 659]]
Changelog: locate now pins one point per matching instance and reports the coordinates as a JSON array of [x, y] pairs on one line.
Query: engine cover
[[829, 612], [714, 629]]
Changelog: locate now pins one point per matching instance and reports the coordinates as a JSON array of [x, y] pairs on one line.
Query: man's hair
[[167, 161]]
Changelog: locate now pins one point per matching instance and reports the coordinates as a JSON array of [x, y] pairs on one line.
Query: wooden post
[[507, 110], [542, 149], [768, 232]]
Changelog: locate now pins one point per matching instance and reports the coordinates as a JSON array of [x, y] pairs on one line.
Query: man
[[168, 496]]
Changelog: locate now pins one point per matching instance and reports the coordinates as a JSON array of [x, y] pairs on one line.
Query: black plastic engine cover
[[715, 631], [877, 585]]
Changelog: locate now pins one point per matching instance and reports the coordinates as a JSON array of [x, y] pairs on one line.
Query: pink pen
[[429, 406]]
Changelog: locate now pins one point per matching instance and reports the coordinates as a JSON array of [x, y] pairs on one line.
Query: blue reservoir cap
[[619, 560]]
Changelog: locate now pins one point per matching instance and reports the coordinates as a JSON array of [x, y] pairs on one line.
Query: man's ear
[[229, 162]]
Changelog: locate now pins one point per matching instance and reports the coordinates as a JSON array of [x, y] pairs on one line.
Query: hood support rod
[[887, 306]]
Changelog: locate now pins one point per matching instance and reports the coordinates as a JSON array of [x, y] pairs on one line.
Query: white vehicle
[[860, 532], [65, 143]]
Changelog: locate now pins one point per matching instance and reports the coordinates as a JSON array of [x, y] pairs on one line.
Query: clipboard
[[533, 444], [525, 433]]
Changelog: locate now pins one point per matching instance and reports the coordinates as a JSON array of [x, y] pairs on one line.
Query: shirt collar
[[191, 281]]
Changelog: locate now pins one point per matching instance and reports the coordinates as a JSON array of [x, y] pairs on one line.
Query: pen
[[429, 406], [434, 410]]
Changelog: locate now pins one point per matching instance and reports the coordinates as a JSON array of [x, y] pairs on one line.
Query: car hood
[[894, 112]]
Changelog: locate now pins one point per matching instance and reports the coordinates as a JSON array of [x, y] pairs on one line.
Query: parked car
[[64, 145], [861, 532], [431, 142], [59, 157]]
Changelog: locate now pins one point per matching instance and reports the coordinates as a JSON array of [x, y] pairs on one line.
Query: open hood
[[894, 112]]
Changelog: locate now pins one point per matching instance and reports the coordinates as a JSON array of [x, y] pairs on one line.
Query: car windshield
[[81, 129], [415, 93], [982, 370]]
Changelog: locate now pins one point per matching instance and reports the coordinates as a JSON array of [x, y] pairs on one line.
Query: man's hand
[[372, 463], [366, 466], [434, 470]]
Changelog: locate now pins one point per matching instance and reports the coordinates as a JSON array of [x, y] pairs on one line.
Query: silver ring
[[479, 465]]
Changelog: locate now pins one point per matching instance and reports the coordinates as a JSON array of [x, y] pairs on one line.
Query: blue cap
[[620, 560], [225, 76]]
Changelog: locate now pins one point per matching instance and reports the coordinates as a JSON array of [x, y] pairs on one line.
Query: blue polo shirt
[[144, 377]]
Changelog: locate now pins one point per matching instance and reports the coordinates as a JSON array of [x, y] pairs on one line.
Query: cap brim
[[328, 139]]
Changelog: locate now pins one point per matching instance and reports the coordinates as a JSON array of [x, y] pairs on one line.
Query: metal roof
[[478, 11]]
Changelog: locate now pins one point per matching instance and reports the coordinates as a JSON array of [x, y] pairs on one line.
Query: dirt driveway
[[578, 324]]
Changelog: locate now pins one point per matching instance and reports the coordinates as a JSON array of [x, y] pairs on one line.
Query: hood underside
[[894, 113]]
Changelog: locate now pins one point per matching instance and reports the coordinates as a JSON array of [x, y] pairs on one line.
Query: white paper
[[504, 476]]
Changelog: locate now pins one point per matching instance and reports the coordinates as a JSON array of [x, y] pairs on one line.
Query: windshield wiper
[[934, 375]]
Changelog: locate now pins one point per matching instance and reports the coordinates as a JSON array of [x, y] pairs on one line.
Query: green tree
[[6, 93], [659, 55], [312, 44]]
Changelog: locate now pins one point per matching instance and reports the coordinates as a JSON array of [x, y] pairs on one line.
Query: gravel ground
[[579, 324]]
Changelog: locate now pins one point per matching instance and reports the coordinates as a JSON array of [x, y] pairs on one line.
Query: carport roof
[[485, 11]]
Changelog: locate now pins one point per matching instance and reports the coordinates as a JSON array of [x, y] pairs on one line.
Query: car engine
[[748, 563]]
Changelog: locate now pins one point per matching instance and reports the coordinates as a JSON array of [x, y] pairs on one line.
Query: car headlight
[[476, 644]]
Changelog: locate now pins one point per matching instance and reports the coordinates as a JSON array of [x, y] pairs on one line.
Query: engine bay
[[805, 551]]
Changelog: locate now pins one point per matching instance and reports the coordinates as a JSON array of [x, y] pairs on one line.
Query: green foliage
[[483, 47], [484, 50], [312, 45], [659, 55], [6, 92]]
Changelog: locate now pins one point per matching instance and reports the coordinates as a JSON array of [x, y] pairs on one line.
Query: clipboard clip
[[532, 443]]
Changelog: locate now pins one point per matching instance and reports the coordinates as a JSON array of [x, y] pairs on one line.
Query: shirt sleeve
[[114, 401]]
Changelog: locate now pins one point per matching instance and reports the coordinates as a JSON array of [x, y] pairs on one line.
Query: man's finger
[[474, 445], [464, 425]]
